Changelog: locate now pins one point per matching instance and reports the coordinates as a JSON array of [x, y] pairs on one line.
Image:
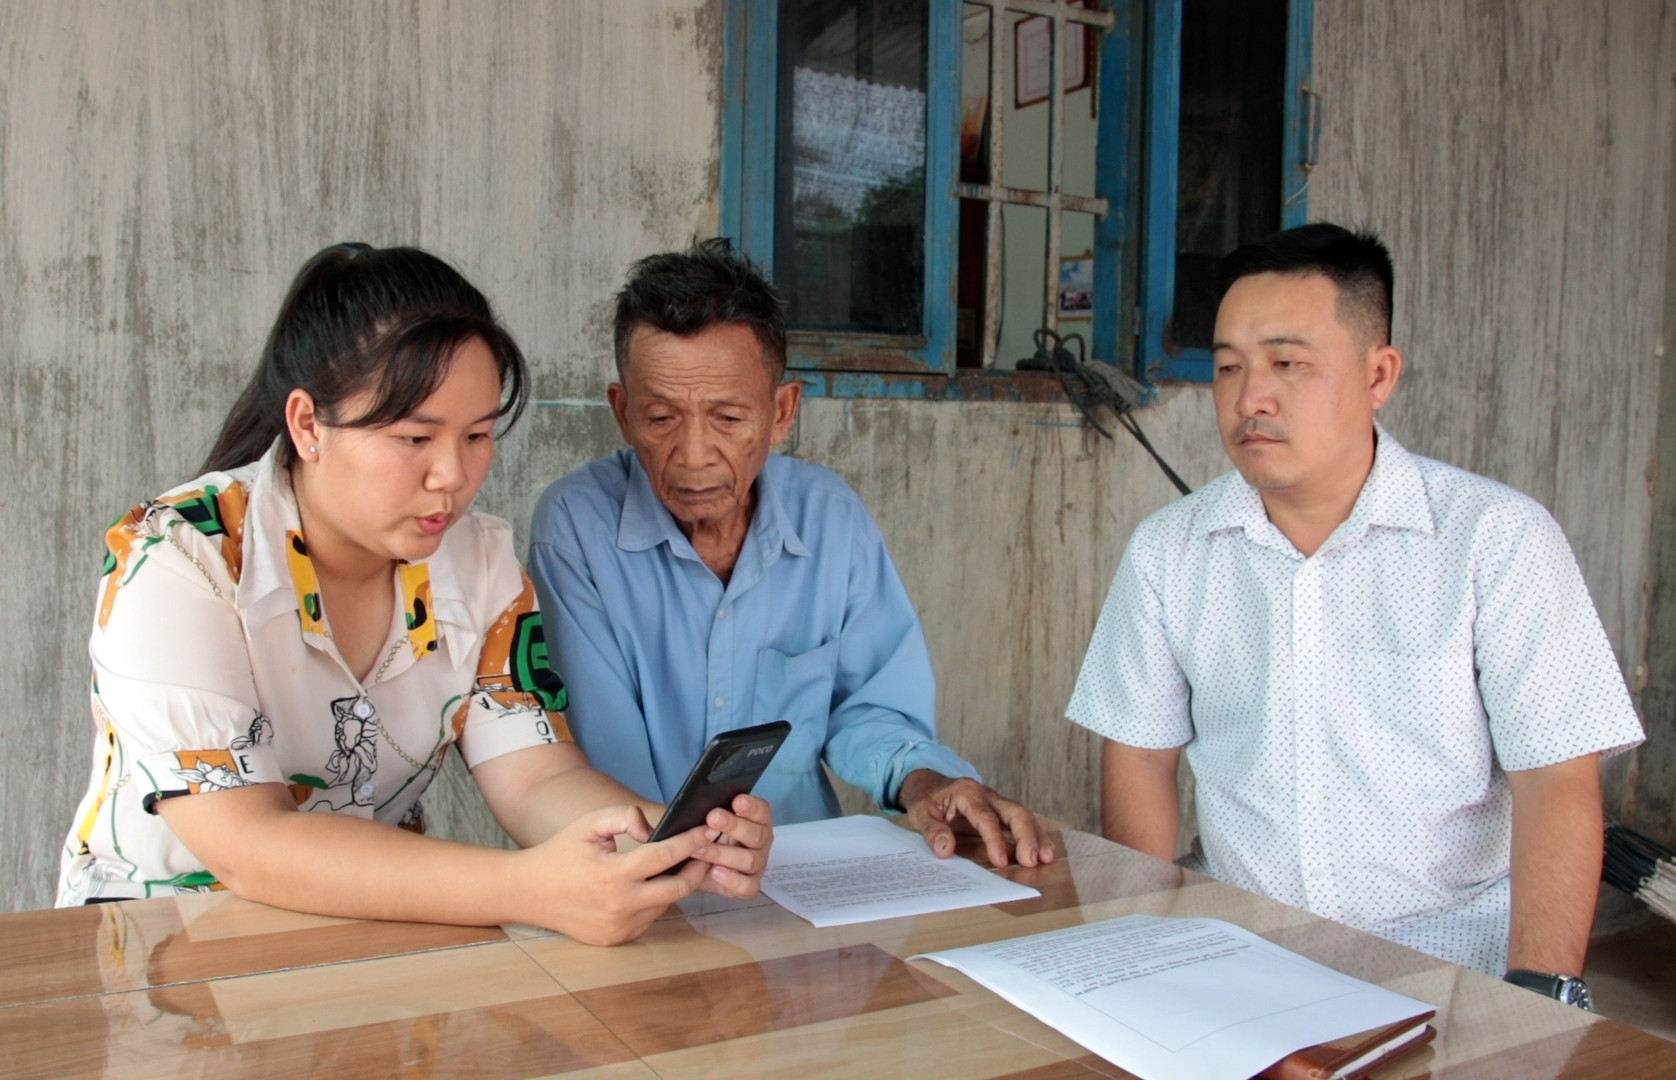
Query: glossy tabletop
[[210, 985]]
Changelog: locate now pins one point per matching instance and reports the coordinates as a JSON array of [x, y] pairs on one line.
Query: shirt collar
[[265, 589], [278, 577], [1232, 504], [646, 522], [1393, 496], [772, 525]]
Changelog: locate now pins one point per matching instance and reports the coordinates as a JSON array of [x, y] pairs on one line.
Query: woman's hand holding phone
[[578, 883]]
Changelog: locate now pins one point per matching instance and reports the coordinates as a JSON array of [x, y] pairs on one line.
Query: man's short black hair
[[684, 292], [1357, 263]]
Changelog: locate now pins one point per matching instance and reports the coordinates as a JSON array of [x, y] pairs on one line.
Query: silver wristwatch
[[1566, 989]]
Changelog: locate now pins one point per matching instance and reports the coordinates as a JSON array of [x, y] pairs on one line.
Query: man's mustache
[[1266, 428]]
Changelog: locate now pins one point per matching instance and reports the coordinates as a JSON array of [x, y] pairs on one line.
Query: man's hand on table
[[737, 852], [937, 805]]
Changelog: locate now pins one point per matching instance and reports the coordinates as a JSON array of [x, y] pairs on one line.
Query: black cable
[[1631, 859], [1095, 388]]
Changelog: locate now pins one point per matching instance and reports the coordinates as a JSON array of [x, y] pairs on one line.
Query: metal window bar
[[1054, 200]]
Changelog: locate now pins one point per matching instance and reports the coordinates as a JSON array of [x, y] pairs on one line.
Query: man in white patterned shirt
[[1387, 674]]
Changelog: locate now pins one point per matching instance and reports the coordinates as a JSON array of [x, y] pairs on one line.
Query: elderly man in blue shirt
[[696, 583]]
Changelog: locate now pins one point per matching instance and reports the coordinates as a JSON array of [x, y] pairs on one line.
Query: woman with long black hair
[[284, 648]]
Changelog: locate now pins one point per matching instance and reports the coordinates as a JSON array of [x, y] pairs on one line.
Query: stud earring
[[314, 450]]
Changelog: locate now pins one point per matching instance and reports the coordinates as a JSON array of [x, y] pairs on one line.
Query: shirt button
[[722, 614], [720, 702], [1319, 874]]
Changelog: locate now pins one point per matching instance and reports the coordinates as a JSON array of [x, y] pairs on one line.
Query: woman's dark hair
[[358, 318]]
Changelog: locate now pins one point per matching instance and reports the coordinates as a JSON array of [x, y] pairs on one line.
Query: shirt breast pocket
[[1416, 717], [797, 689]]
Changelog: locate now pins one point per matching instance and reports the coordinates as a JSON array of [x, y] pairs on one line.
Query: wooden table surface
[[210, 985]]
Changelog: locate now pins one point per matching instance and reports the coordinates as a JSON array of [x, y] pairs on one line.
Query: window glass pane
[[1027, 42], [1029, 119], [1023, 281], [1081, 125], [1023, 160], [850, 228], [975, 44], [970, 291], [1233, 71], [971, 294]]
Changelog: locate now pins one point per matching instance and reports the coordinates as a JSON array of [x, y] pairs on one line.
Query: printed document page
[[860, 868], [1166, 998]]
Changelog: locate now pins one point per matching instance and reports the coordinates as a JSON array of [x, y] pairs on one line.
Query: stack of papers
[[1167, 998], [857, 869]]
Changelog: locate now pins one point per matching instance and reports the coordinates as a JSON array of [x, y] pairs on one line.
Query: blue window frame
[[1139, 103], [1155, 357]]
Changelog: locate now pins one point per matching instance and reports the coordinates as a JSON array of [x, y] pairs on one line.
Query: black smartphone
[[729, 766]]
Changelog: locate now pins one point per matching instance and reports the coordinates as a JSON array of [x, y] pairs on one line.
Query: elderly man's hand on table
[[936, 805], [738, 853]]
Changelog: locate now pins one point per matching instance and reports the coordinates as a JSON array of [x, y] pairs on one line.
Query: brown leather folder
[[1354, 1056]]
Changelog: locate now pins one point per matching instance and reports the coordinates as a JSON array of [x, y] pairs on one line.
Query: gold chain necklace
[[363, 707]]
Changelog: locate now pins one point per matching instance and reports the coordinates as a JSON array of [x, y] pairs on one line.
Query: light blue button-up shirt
[[814, 627]]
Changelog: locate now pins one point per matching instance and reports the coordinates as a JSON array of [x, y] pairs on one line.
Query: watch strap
[[1562, 988]]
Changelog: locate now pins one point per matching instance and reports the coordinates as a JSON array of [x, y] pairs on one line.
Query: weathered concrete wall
[[1654, 786], [163, 170], [1007, 522], [1517, 156]]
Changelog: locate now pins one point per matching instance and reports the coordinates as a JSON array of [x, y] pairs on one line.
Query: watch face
[[1575, 992]]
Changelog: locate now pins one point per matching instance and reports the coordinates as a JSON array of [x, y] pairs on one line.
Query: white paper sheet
[[1167, 998], [860, 868]]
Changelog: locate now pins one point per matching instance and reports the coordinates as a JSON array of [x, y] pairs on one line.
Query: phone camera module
[[730, 766], [749, 758]]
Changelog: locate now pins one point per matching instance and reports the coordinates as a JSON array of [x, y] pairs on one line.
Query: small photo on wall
[[1076, 287]]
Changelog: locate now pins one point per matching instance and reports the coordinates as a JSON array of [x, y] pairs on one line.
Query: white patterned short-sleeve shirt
[[214, 668], [1350, 717]]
